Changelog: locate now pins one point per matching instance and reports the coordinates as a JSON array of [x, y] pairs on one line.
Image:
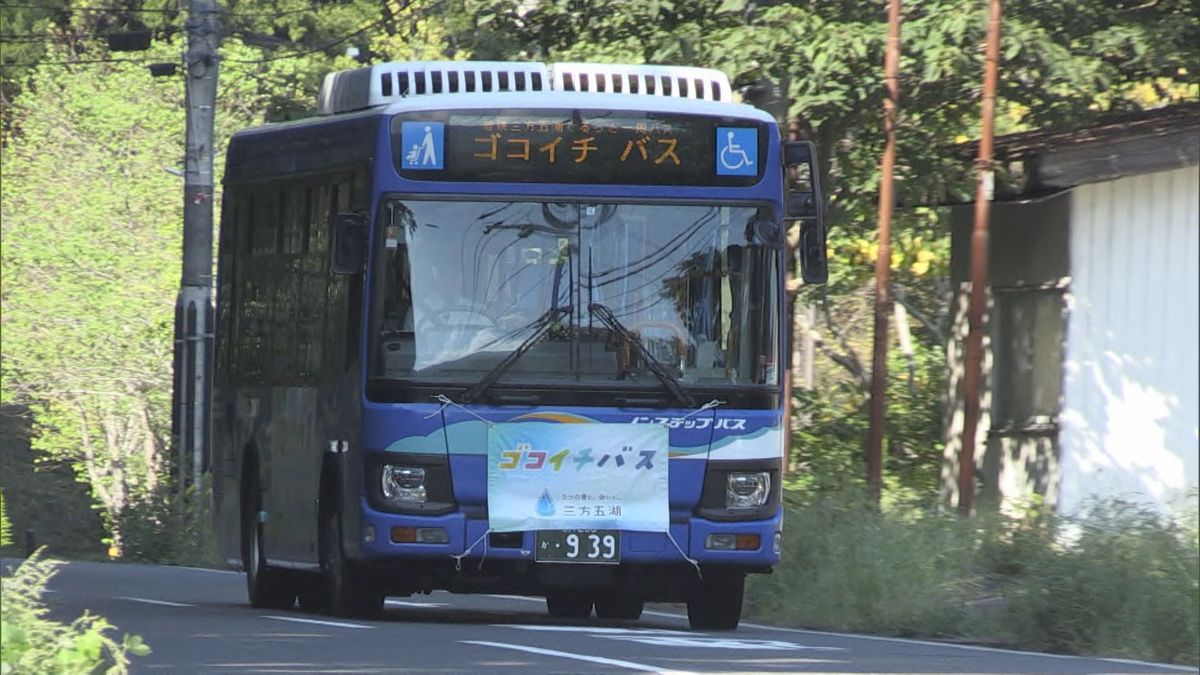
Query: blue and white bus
[[507, 328]]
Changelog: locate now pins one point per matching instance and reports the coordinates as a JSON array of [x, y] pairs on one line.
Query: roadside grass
[[164, 531], [1122, 581], [30, 642], [1119, 581]]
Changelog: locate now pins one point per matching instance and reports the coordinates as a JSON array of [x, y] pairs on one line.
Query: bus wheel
[[267, 587], [716, 603], [349, 590], [568, 604], [618, 607]]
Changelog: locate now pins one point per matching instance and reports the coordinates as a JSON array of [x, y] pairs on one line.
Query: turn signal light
[[748, 542], [420, 535], [732, 542]]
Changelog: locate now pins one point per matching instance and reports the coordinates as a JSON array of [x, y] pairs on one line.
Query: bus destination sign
[[579, 146]]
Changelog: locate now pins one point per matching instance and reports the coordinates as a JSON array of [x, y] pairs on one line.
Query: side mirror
[[805, 202], [798, 152], [814, 267], [348, 250]]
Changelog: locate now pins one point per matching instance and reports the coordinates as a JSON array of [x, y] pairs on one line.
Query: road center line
[[151, 601], [975, 648], [406, 603], [515, 597], [336, 624], [578, 657]]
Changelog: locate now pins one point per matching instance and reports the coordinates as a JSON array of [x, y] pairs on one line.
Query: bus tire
[[619, 606], [716, 603], [267, 587], [568, 605], [350, 591]]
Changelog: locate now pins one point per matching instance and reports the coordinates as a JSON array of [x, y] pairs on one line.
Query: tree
[[90, 257], [91, 237], [1063, 64]]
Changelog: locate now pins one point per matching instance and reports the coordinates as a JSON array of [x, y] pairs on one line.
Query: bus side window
[[397, 308], [397, 346], [225, 268], [312, 287]]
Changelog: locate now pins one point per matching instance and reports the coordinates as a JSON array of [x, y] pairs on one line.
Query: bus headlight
[[747, 489], [403, 484]]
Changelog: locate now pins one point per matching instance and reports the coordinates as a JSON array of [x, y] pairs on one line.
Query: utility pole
[[979, 267], [883, 261], [193, 308]]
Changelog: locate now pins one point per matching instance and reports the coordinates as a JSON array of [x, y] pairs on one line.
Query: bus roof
[[536, 100], [571, 100]]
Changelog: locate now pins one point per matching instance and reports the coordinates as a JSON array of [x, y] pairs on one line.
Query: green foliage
[[1118, 581], [162, 530], [90, 244], [828, 442], [1128, 584], [846, 567], [32, 643], [91, 236]]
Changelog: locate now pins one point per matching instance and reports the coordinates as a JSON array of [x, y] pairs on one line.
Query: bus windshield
[[462, 286]]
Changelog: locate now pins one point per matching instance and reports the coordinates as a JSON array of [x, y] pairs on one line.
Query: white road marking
[[718, 643], [879, 638], [151, 601], [932, 643], [336, 624], [515, 597], [977, 648], [405, 603], [596, 630], [578, 657]]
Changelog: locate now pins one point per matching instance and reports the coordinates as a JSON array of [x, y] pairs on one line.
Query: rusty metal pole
[[883, 261], [973, 374]]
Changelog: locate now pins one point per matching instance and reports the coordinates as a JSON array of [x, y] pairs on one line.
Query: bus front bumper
[[388, 536]]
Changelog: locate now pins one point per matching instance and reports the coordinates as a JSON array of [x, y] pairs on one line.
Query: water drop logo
[[545, 504]]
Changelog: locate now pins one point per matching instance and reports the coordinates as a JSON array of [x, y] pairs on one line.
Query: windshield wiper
[[668, 380], [541, 326]]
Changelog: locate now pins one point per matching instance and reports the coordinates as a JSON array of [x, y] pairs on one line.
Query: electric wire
[[129, 10], [279, 57], [305, 52], [78, 62], [267, 59]]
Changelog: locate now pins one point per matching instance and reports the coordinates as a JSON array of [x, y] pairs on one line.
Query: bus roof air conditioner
[[384, 83]]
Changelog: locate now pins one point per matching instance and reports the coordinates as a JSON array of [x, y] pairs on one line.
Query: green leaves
[[32, 643]]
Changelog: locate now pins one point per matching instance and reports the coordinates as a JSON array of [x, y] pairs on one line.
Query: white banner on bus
[[551, 476]]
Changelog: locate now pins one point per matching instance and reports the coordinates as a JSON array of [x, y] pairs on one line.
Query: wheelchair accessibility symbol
[[737, 151]]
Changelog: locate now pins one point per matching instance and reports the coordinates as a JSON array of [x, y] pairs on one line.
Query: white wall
[[1131, 390]]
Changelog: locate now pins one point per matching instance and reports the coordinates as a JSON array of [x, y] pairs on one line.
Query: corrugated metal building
[[1092, 375]]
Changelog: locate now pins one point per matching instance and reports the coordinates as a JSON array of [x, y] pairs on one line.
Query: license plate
[[578, 546]]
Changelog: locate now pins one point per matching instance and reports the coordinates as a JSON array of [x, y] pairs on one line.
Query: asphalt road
[[197, 620]]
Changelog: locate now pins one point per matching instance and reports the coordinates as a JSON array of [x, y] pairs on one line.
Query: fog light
[[404, 535], [432, 535], [369, 534], [403, 484], [777, 544], [747, 490], [721, 542]]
